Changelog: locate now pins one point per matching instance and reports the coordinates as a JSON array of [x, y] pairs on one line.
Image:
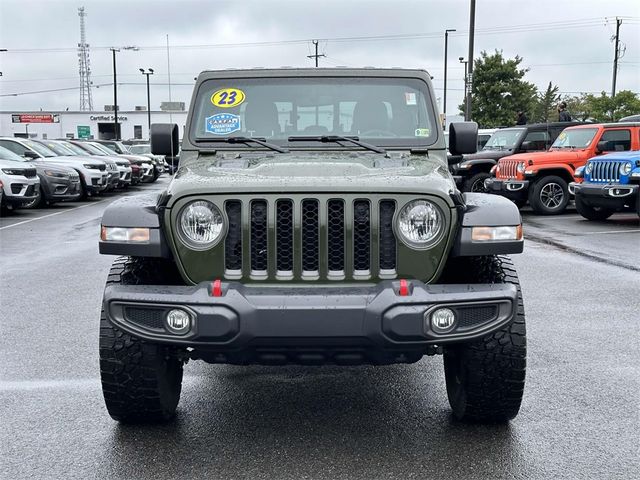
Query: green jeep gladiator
[[312, 220]]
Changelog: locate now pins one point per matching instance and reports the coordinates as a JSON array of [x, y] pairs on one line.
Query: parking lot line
[[609, 231], [51, 215]]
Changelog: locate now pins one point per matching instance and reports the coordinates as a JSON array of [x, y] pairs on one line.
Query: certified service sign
[[222, 123]]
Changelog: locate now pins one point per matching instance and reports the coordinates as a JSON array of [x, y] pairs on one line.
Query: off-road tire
[[470, 183], [141, 381], [485, 378], [539, 195], [592, 213]]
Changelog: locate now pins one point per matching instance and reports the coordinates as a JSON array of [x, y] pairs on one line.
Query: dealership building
[[98, 125]]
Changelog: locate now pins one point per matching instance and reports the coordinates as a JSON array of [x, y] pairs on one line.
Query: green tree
[[499, 91], [545, 109], [603, 108]]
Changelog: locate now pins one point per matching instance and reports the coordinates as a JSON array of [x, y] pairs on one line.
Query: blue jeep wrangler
[[611, 184]]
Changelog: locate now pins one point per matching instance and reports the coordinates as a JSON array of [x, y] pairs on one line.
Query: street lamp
[[145, 73], [115, 89], [444, 104], [466, 62]]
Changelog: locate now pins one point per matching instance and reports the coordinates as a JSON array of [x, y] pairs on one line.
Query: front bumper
[[610, 195], [20, 190], [61, 189], [512, 189], [295, 324]]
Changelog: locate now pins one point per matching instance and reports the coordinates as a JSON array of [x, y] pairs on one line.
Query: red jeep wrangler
[[542, 178]]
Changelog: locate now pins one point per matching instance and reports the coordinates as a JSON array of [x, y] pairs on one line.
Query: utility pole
[[316, 56], [147, 73], [444, 102], [472, 24], [616, 56], [115, 95]]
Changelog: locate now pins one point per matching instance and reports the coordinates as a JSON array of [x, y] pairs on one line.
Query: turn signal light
[[492, 234], [121, 234]]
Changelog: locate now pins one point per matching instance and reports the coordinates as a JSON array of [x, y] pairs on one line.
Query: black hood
[[490, 154]]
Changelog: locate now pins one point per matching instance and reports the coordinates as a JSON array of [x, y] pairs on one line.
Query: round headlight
[[589, 167], [520, 167], [200, 224], [625, 168], [419, 223]]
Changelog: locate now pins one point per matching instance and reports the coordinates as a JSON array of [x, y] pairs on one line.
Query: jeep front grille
[[310, 239], [507, 169], [605, 171]]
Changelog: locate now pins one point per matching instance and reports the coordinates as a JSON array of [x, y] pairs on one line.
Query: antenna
[[84, 68]]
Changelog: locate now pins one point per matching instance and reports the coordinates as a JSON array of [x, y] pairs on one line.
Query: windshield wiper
[[336, 139], [258, 140]]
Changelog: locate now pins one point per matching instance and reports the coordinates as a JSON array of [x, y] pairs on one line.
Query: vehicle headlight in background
[[625, 168], [589, 167], [520, 167], [200, 224], [91, 167], [11, 171], [51, 173], [419, 223]]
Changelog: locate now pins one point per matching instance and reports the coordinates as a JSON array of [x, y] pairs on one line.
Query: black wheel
[[485, 379], [549, 195], [475, 183], [141, 381], [592, 213]]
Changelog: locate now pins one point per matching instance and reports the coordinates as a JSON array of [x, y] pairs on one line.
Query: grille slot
[[335, 236], [284, 236], [361, 236], [233, 241], [469, 317], [259, 254], [310, 236], [387, 237]]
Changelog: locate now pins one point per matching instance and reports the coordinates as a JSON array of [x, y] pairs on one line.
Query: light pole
[[146, 74], [444, 102], [469, 76], [115, 90], [466, 63]]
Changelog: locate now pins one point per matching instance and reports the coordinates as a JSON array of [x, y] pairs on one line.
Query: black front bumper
[[296, 324], [512, 189], [610, 195], [60, 190]]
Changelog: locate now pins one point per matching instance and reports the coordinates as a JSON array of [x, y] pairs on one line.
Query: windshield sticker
[[222, 123], [410, 98], [562, 136], [423, 132], [227, 97]]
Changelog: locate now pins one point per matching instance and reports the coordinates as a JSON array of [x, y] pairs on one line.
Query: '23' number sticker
[[227, 97]]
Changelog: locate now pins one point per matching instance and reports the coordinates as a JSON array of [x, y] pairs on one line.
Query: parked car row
[[36, 173], [544, 165]]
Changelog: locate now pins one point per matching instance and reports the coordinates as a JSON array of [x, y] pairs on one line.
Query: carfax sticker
[[423, 132], [227, 97], [410, 98], [222, 123]]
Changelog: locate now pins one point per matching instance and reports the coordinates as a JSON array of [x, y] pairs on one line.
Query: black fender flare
[[485, 210]]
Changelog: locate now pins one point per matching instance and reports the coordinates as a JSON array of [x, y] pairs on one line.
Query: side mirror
[[454, 159], [602, 146], [164, 139], [463, 138], [30, 154]]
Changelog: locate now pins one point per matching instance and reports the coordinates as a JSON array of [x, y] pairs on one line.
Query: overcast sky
[[564, 41]]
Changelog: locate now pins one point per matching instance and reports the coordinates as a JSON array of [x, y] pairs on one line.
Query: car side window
[[538, 140], [617, 140], [14, 147]]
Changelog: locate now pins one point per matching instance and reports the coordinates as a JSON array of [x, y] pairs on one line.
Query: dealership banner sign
[[35, 118]]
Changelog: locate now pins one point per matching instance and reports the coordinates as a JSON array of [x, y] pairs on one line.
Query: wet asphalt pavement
[[579, 418]]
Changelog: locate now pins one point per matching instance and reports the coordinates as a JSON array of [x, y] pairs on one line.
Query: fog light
[[443, 320], [178, 321]]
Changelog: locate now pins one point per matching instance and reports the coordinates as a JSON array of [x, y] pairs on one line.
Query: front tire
[[475, 183], [592, 213], [549, 195], [141, 381], [485, 378]]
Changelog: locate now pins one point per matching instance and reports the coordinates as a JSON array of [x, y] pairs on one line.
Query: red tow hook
[[403, 291], [216, 288]]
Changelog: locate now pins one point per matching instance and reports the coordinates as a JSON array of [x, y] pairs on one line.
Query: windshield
[[112, 147], [103, 148], [505, 139], [6, 154], [140, 149], [87, 147], [74, 148], [382, 111], [575, 138], [57, 148], [41, 149]]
